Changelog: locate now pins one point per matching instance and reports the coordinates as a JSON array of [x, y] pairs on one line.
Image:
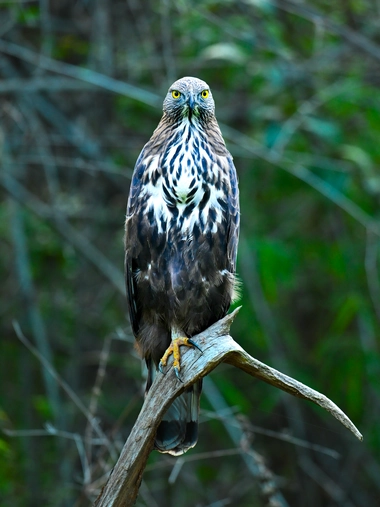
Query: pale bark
[[217, 346]]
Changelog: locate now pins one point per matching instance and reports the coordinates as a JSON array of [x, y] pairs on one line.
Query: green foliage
[[296, 92], [27, 15]]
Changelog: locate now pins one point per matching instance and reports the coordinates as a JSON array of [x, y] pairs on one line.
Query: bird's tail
[[178, 430]]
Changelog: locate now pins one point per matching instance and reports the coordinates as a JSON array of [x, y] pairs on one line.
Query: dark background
[[296, 86]]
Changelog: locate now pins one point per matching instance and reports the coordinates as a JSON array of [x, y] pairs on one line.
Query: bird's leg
[[174, 348]]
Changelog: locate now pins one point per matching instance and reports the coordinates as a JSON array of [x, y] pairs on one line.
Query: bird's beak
[[191, 102]]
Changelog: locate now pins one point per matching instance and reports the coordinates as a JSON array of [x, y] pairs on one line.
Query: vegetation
[[296, 91]]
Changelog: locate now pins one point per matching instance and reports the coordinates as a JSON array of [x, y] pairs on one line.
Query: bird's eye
[[204, 94], [176, 94]]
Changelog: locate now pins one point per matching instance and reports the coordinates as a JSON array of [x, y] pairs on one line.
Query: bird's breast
[[184, 186]]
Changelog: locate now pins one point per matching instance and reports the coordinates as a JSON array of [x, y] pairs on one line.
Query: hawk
[[181, 237]]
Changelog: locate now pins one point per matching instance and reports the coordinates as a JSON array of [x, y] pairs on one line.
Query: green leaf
[[224, 51]]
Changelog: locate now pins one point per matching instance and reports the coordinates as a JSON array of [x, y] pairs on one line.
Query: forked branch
[[217, 346]]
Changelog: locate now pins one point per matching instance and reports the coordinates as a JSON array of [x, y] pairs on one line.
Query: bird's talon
[[195, 345], [176, 371], [174, 348]]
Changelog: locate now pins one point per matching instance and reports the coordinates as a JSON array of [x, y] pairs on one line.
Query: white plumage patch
[[184, 182]]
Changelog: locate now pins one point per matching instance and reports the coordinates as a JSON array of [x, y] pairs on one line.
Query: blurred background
[[296, 86]]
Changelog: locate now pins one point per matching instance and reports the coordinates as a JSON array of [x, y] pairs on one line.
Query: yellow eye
[[176, 94], [204, 94]]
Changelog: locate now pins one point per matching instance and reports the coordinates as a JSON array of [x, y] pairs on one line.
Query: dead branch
[[217, 345]]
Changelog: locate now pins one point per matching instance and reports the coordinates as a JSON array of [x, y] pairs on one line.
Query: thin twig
[[72, 395], [238, 435], [65, 229], [81, 73], [51, 431], [302, 173], [284, 437], [45, 83], [352, 37], [95, 393]]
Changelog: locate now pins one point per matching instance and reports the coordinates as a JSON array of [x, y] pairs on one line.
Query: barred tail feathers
[[178, 429]]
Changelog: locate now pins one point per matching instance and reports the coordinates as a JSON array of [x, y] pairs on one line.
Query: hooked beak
[[191, 102]]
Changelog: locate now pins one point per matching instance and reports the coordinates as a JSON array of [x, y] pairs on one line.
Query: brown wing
[[133, 241], [233, 219]]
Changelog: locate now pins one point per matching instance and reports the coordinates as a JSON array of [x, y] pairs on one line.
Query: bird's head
[[189, 97]]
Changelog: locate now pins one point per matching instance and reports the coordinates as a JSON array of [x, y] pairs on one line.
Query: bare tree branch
[[352, 37], [303, 173], [65, 229], [86, 75], [217, 346], [65, 386], [46, 83]]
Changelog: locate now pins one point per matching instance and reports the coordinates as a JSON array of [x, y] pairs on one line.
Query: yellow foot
[[174, 349]]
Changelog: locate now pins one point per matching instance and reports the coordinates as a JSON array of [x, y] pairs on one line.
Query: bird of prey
[[182, 229]]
